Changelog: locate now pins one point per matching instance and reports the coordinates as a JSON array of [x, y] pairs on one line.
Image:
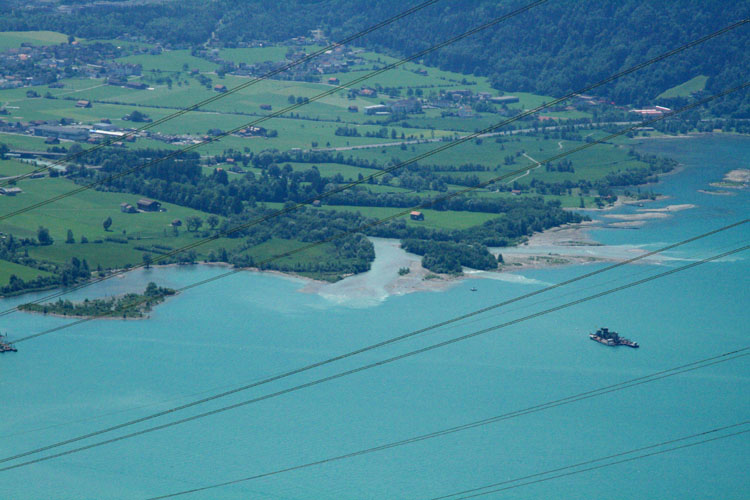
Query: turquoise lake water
[[248, 326]]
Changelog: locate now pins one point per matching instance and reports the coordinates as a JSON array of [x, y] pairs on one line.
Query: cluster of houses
[[54, 131], [459, 100], [30, 65], [402, 106], [90, 133], [337, 60]]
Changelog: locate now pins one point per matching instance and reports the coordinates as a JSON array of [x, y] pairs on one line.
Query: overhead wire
[[338, 375], [472, 493], [696, 365]]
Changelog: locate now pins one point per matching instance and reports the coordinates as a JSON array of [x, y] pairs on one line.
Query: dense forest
[[552, 49], [448, 257]]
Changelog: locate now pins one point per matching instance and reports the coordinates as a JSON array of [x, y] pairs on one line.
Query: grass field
[[167, 61], [254, 55], [685, 89], [8, 269], [447, 219], [25, 142], [10, 168], [13, 39]]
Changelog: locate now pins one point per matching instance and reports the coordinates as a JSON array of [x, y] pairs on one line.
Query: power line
[[369, 225], [292, 107], [411, 334], [455, 319], [729, 356], [340, 374], [233, 90], [664, 443]]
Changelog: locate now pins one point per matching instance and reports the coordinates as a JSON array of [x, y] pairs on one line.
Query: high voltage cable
[[402, 337], [242, 86], [588, 469], [292, 107], [449, 321], [729, 356], [372, 224], [340, 374]]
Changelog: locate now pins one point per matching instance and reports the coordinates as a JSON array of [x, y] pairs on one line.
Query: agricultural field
[[8, 269], [335, 124], [14, 39]]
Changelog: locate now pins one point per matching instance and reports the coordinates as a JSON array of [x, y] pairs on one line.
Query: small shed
[[416, 215], [176, 223], [83, 104], [149, 205], [220, 88], [267, 107], [353, 109]]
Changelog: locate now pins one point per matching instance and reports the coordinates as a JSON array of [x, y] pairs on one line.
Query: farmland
[[322, 138]]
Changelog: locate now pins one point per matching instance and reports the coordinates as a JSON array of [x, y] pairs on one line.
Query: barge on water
[[6, 346], [611, 338]]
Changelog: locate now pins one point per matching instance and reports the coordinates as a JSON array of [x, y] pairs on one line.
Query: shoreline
[[565, 245]]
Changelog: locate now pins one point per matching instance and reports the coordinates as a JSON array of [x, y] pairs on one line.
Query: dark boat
[[612, 338], [473, 289], [6, 346]]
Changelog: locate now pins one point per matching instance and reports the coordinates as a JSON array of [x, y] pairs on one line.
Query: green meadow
[[14, 39], [695, 84]]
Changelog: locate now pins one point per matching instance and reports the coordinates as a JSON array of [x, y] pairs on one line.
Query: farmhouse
[[506, 99], [377, 108], [10, 191], [127, 208], [416, 215], [406, 106], [220, 88], [148, 205], [333, 81]]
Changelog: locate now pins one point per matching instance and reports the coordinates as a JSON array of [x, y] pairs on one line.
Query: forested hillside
[[552, 49]]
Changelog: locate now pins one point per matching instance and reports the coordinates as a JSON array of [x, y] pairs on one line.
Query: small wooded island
[[131, 305]]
